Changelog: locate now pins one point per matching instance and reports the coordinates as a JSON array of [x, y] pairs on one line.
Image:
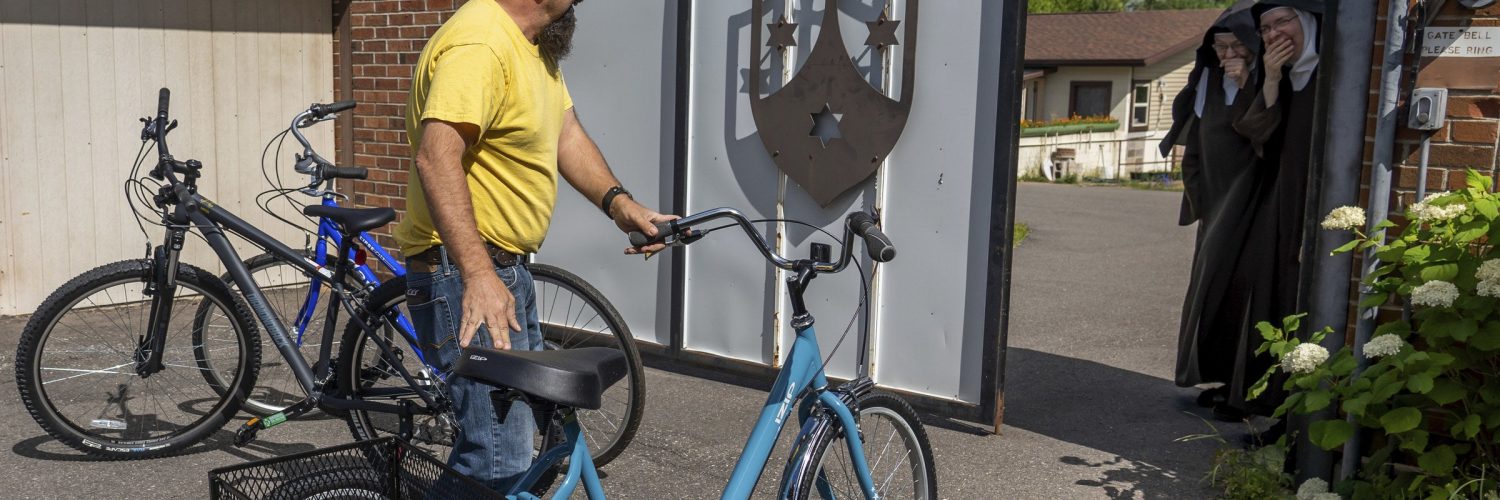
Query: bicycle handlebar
[[877, 243]]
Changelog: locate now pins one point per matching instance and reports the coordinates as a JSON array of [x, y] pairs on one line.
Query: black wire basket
[[385, 468]]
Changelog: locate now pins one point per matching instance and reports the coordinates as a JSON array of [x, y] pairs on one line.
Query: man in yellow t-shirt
[[492, 126]]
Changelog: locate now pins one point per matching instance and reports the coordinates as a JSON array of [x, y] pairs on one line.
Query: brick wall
[[387, 36], [1467, 140]]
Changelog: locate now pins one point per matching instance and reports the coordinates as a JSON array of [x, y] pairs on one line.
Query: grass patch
[[1022, 231]]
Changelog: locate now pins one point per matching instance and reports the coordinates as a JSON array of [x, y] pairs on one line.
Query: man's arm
[[487, 302], [583, 166]]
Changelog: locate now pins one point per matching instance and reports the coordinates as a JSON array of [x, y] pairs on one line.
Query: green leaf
[[1384, 224], [1356, 405], [1445, 271], [1268, 332], [1438, 461], [1398, 327], [1445, 390], [1468, 427], [1415, 255], [1400, 420], [1487, 208], [1492, 419], [1477, 181], [1292, 323], [1330, 434], [1414, 441], [1420, 383], [1316, 400], [1471, 231], [1345, 248], [1464, 329], [1488, 337], [1386, 386], [1343, 363], [1373, 300]]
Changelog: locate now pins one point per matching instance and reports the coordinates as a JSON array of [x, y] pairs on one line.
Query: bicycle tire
[[570, 323], [285, 291], [128, 436], [433, 434], [829, 449], [353, 366]]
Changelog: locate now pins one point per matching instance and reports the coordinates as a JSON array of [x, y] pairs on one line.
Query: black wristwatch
[[609, 198]]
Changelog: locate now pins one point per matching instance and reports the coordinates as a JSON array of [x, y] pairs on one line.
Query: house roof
[[1137, 38]]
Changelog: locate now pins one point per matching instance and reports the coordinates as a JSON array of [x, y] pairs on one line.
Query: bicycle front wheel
[[574, 314], [896, 451], [75, 366]]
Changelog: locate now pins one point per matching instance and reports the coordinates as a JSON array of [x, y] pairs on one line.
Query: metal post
[[1380, 189]]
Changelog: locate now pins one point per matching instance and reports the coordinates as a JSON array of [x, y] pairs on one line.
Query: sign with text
[[1461, 42], [1460, 57]]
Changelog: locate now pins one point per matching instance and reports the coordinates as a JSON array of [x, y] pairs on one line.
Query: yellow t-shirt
[[479, 68]]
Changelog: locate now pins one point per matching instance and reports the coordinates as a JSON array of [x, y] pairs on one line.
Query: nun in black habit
[[1222, 189], [1233, 191]]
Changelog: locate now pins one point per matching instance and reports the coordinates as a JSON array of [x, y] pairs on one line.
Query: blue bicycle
[[572, 313], [853, 442]]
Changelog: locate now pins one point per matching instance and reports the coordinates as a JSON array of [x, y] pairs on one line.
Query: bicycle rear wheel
[[287, 290], [574, 314], [895, 447], [75, 366], [367, 373]]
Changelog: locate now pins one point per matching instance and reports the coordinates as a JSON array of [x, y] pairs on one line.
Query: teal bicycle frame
[[800, 383]]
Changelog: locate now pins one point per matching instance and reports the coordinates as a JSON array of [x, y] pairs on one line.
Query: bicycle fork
[[162, 288]]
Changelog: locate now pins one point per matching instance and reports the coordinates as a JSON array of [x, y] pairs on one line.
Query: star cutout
[[826, 125], [782, 34], [882, 32]]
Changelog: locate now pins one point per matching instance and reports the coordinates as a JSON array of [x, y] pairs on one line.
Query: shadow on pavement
[[1137, 418]]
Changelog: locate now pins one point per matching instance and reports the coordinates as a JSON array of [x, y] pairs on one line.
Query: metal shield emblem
[[828, 84]]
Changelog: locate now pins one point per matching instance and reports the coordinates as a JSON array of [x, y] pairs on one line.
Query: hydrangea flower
[[1344, 218], [1304, 358], [1435, 293], [1316, 489], [1425, 211], [1384, 345], [1489, 288], [1489, 270]]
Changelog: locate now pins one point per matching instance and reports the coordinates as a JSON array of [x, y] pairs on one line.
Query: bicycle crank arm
[[249, 429]]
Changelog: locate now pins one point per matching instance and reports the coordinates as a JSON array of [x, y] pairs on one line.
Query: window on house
[[1089, 99], [1140, 105]]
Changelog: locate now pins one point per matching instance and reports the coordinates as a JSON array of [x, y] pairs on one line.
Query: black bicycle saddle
[[569, 377]]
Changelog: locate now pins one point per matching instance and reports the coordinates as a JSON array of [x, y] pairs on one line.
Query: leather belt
[[431, 258]]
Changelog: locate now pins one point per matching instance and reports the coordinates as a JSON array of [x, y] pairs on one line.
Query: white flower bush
[[1489, 289], [1315, 489], [1435, 293], [1344, 219], [1304, 358], [1426, 211], [1489, 270], [1384, 345]]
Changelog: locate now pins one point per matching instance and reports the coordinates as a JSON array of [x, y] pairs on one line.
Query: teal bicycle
[[854, 442]]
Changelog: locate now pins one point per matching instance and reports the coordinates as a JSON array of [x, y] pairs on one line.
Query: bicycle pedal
[[246, 433]]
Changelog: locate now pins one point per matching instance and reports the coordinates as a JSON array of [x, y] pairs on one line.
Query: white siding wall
[[74, 77], [1168, 77]]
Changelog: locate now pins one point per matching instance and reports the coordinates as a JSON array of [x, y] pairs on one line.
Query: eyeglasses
[[1222, 47], [1276, 25]]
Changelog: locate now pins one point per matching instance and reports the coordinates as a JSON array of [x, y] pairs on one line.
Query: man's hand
[[1234, 69], [487, 303], [631, 216]]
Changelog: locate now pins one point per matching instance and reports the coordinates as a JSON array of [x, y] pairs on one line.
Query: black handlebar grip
[[162, 100], [341, 106], [333, 172], [877, 244], [639, 239]]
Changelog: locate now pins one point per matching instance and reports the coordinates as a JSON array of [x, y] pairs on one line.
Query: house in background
[[1124, 65]]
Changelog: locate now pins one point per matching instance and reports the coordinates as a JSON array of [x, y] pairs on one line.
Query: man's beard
[[556, 40]]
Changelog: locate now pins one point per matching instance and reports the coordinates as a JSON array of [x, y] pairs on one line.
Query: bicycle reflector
[[359, 256]]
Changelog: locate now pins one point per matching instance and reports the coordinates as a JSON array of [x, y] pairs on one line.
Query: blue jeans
[[493, 452]]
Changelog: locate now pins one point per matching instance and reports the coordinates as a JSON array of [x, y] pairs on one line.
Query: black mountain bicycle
[[142, 358]]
